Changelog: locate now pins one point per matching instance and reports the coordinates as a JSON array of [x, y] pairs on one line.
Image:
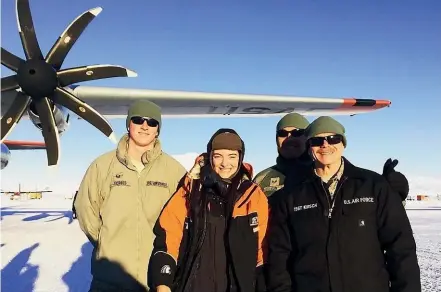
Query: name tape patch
[[157, 184], [120, 183], [305, 207]]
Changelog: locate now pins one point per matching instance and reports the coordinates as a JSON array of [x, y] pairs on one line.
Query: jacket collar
[[147, 157], [352, 171]]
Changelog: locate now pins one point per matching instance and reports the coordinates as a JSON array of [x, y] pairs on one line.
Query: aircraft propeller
[[39, 79]]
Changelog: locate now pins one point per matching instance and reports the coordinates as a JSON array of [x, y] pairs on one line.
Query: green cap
[[292, 120], [144, 108], [325, 124]]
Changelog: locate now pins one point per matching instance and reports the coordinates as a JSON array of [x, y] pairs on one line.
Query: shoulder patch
[[274, 181], [166, 270]]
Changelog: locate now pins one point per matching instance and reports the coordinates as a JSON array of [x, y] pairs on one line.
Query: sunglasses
[[332, 140], [294, 133], [141, 120]]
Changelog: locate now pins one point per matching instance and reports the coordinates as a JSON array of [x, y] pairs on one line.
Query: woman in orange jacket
[[210, 235]]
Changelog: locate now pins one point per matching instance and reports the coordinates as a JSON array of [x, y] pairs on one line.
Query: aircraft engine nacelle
[[5, 156], [60, 114]]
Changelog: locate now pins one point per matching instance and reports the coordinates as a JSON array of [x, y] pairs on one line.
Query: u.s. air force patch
[[359, 200]]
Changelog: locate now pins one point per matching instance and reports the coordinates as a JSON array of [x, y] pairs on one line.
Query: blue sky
[[366, 49]]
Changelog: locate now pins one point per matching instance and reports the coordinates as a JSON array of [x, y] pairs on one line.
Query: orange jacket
[[250, 212]]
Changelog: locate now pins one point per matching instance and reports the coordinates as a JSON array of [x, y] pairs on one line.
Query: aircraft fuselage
[[5, 156]]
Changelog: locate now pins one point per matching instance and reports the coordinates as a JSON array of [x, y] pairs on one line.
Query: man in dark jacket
[[292, 156], [339, 227], [293, 160]]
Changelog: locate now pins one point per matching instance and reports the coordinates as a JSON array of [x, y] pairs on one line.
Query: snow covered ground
[[44, 250], [426, 226]]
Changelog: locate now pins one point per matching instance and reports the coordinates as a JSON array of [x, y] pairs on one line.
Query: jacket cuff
[[162, 270]]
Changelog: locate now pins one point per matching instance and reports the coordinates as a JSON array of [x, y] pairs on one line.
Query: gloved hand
[[200, 161], [397, 180]]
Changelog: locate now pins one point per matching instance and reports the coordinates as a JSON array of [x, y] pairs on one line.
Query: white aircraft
[[43, 92]]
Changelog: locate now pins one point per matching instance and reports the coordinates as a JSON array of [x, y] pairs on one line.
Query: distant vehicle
[[32, 195], [35, 195]]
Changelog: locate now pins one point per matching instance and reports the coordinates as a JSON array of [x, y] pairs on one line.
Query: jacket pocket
[[359, 214]]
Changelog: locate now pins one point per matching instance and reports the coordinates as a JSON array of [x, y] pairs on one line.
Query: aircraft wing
[[46, 91], [24, 145], [113, 102]]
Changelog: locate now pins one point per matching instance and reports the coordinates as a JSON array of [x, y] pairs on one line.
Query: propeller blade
[[67, 39], [94, 72], [11, 61], [9, 83], [14, 114], [85, 111], [27, 30], [49, 130]]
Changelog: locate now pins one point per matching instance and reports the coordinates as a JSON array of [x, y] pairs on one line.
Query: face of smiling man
[[327, 148], [143, 131]]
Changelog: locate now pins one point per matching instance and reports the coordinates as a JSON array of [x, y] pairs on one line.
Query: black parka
[[364, 245]]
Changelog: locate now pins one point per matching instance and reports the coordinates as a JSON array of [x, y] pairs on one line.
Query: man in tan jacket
[[120, 199]]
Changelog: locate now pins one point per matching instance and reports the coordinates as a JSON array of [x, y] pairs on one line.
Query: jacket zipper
[[329, 203], [138, 206], [331, 208], [141, 178]]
